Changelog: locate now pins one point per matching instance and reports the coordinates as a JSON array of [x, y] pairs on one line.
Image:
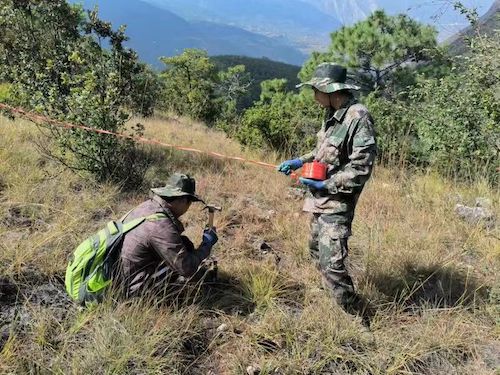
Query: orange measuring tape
[[36, 118]]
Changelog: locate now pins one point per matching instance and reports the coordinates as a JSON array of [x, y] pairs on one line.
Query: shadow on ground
[[226, 294], [430, 286]]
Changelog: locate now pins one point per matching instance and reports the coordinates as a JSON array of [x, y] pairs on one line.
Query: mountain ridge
[[487, 23], [156, 32]]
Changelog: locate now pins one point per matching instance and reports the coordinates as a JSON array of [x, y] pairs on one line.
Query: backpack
[[90, 269]]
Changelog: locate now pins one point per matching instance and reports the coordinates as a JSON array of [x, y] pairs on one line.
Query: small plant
[[4, 92]]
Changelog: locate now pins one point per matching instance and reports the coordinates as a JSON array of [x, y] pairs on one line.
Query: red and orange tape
[[46, 120]]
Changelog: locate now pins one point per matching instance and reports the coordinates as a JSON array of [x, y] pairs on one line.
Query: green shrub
[[282, 121], [68, 75], [449, 124], [4, 92], [189, 85]]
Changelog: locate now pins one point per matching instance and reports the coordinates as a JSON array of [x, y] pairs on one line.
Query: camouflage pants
[[328, 248]]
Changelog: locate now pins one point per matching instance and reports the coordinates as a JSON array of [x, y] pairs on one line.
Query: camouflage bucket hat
[[179, 185], [329, 78]]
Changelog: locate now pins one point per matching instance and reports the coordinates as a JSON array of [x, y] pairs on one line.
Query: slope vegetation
[[431, 279]]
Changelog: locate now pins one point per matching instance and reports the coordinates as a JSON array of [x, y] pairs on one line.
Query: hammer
[[211, 212]]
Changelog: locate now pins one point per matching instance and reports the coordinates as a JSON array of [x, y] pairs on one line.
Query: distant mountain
[[281, 30], [439, 13], [346, 12], [308, 23], [259, 70], [156, 32], [295, 20], [488, 23]]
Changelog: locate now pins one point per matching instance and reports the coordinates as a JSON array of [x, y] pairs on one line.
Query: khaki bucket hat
[[328, 78], [179, 185]]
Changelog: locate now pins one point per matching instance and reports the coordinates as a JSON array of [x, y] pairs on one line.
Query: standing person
[[346, 144], [155, 252]]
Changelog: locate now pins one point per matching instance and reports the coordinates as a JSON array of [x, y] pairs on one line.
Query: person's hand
[[290, 165], [316, 185], [210, 237]]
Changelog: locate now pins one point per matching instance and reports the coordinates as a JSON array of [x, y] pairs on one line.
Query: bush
[[449, 124], [68, 75], [4, 92], [283, 121], [192, 86], [189, 85], [396, 135]]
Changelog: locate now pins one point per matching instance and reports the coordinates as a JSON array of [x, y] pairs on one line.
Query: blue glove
[[290, 165], [316, 185], [209, 237]]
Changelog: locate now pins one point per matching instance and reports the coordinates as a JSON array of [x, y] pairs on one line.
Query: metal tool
[[211, 212]]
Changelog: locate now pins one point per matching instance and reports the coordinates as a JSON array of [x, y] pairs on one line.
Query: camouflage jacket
[[346, 143]]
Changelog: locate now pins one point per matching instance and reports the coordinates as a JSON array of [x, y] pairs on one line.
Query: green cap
[[328, 78], [179, 185]]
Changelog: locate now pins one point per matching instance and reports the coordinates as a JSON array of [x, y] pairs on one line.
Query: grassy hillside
[[433, 280]]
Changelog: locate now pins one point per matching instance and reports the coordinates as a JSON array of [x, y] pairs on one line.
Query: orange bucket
[[314, 170]]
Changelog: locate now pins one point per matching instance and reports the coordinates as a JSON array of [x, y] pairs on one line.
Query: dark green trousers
[[328, 248]]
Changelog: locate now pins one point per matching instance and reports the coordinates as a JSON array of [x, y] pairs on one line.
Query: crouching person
[[155, 253]]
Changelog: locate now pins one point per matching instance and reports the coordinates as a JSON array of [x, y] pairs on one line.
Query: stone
[[476, 215], [266, 215], [223, 327], [253, 370], [483, 202]]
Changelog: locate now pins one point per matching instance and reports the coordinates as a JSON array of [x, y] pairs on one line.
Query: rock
[[455, 197], [15, 236], [238, 331], [489, 353], [223, 327], [101, 213], [476, 215], [483, 202], [253, 370], [49, 295]]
